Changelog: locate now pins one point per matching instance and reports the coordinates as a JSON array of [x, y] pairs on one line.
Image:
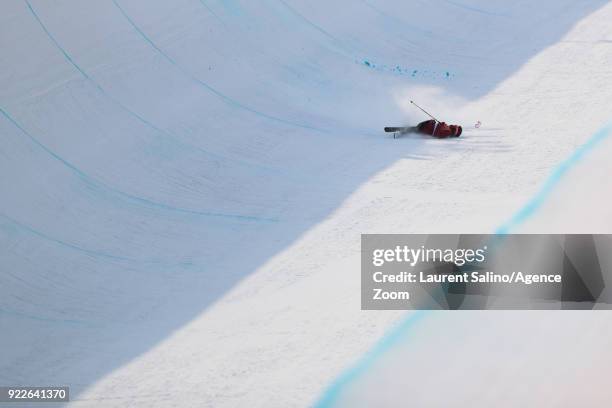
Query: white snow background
[[183, 185]]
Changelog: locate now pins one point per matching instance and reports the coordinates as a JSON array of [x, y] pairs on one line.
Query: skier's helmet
[[456, 129]]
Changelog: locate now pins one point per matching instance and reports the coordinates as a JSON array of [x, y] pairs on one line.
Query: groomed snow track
[[183, 183]]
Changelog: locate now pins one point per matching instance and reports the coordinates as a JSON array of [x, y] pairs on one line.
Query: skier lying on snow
[[430, 127], [439, 129]]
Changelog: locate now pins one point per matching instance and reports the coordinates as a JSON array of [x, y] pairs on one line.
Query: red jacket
[[439, 129]]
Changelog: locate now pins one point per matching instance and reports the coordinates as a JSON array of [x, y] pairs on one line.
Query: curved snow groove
[[360, 58], [338, 43], [317, 28], [252, 45], [140, 200], [211, 11], [407, 24], [218, 158], [230, 101], [335, 40], [476, 10], [60, 242], [4, 310], [87, 251], [397, 20]]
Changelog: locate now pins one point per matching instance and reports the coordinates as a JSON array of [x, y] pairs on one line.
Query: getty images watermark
[[485, 271]]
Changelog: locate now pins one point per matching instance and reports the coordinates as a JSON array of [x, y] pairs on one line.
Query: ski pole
[[427, 113]]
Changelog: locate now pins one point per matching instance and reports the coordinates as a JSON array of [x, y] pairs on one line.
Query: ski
[[402, 129]]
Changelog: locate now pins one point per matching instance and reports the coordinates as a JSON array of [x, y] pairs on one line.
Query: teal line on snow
[[230, 101], [109, 189], [331, 395], [137, 116], [551, 182], [476, 9]]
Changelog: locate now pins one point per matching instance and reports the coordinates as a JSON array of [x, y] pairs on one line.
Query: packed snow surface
[[183, 185]]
